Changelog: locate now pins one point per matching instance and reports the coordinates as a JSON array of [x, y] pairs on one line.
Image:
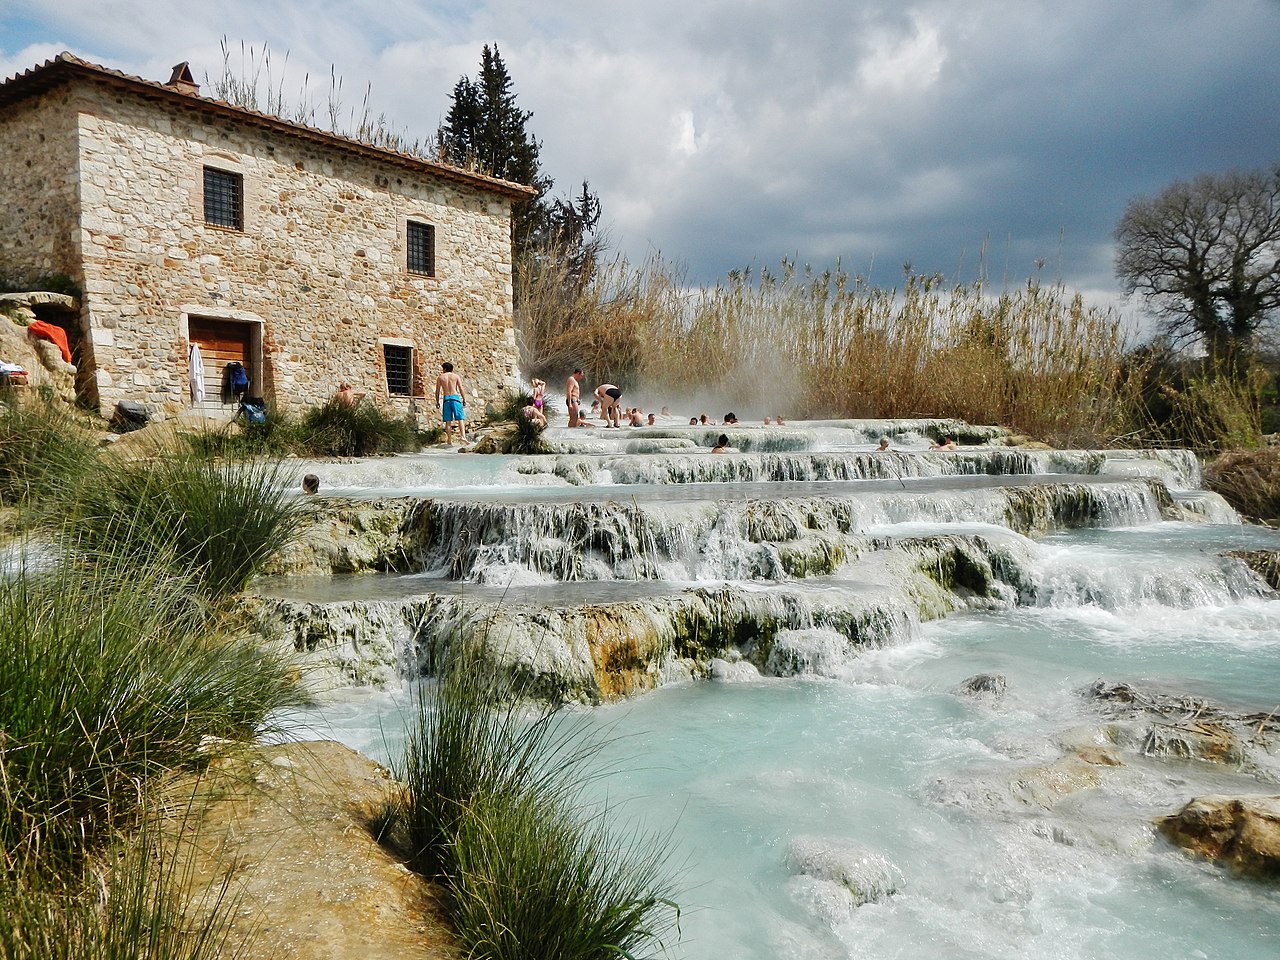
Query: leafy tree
[[486, 130], [1206, 254]]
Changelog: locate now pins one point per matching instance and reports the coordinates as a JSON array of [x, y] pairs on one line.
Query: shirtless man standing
[[449, 398], [609, 394], [573, 396]]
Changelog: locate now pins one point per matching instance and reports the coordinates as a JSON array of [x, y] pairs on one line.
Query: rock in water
[[812, 651], [1240, 833], [867, 876], [984, 686]]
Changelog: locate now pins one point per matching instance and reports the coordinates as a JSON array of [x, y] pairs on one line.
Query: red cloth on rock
[[56, 335]]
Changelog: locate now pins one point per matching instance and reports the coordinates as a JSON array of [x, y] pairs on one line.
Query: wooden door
[[220, 342]]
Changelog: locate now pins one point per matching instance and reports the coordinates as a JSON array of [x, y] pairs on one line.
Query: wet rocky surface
[[286, 829]]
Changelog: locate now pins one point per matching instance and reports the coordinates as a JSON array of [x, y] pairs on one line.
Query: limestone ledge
[[283, 832], [599, 651], [619, 540]]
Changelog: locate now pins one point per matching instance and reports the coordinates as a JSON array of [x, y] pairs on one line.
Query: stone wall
[[38, 204], [318, 273]]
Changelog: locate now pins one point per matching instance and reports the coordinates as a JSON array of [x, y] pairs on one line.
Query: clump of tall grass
[[219, 521], [493, 806], [1249, 480], [359, 429], [1034, 359], [45, 450], [277, 436], [601, 320], [129, 903], [113, 674], [1212, 411], [522, 433]]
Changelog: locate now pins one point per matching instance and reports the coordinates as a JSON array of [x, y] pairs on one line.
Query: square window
[[223, 199], [421, 239], [399, 361]]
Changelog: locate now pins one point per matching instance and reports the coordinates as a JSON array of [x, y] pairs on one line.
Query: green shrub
[[221, 521], [493, 807], [278, 436], [356, 430], [526, 437], [1217, 411], [112, 675], [44, 452], [431, 436], [508, 407], [522, 434]]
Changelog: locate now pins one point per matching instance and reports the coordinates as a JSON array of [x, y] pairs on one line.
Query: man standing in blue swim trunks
[[449, 398]]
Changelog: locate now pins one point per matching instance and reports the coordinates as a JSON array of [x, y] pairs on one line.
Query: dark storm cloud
[[727, 134]]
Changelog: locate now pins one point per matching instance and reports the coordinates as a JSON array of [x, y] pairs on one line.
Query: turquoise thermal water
[[883, 755]]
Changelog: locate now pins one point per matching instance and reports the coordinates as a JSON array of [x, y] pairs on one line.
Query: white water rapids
[[870, 807]]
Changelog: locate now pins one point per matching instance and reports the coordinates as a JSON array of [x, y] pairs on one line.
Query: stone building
[[307, 257]]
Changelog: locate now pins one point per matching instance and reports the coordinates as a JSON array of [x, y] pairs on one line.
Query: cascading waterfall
[[902, 749]]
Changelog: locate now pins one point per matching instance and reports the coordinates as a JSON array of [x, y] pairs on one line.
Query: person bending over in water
[[946, 444], [722, 444], [609, 394]]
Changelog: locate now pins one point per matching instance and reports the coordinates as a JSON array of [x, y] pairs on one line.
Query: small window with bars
[[223, 199], [399, 362], [421, 238]]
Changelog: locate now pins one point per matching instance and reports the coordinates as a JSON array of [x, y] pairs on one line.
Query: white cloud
[[900, 64]]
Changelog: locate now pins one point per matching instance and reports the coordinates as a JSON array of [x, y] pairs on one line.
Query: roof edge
[[66, 66]]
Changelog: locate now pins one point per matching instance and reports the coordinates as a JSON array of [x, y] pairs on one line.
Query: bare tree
[[1206, 254]]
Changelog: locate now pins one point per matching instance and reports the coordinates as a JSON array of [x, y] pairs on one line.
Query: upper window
[[223, 199], [399, 361], [421, 239]]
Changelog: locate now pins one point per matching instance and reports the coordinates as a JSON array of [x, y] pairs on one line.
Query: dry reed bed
[[1036, 358]]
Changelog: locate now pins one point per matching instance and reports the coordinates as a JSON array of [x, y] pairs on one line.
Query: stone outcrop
[[1240, 833], [307, 879], [984, 686], [1265, 563], [1168, 726], [46, 370], [863, 875]]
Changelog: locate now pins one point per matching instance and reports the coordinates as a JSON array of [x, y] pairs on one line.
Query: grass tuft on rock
[[219, 520], [356, 430], [45, 451], [494, 807], [1249, 480], [114, 674], [130, 903]]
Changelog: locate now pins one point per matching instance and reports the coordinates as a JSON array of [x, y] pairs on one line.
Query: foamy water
[[875, 771]]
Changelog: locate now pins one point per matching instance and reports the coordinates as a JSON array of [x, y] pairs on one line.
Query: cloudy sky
[[725, 133]]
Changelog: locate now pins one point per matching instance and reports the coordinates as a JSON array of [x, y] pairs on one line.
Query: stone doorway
[[221, 342]]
